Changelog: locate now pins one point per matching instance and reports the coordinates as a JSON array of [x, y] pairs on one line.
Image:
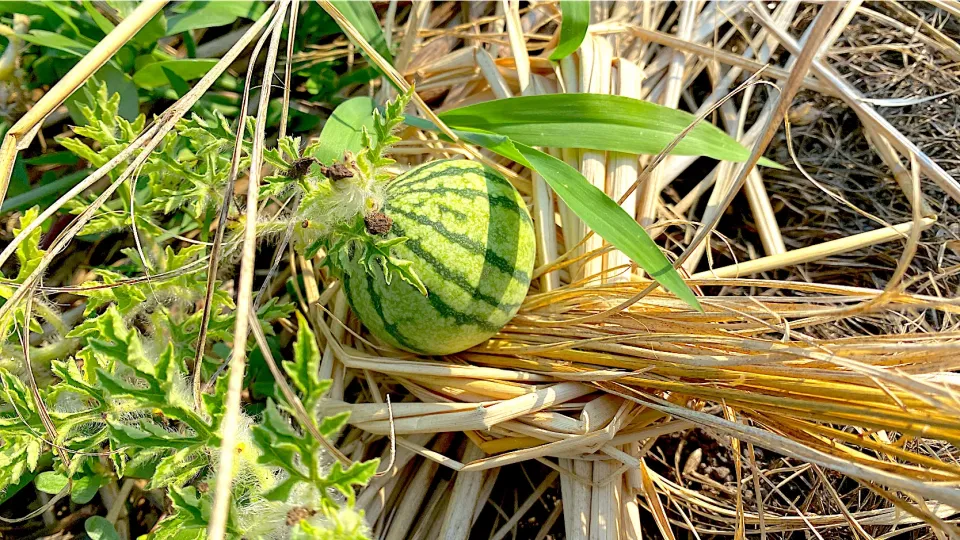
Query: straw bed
[[815, 392], [587, 391]]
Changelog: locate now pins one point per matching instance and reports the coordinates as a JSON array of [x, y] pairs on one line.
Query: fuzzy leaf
[[281, 491], [333, 424], [178, 468], [279, 443], [305, 369], [372, 158]]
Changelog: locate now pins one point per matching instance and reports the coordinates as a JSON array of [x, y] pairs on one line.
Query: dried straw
[[823, 355]]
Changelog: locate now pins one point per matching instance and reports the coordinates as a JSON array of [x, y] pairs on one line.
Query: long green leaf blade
[[601, 213], [573, 27], [606, 218], [597, 122], [360, 13]]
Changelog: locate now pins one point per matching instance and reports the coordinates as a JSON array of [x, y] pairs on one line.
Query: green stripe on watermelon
[[495, 200], [471, 243], [449, 274], [434, 171], [462, 240]]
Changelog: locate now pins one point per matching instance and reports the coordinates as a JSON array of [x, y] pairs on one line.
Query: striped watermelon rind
[[469, 239]]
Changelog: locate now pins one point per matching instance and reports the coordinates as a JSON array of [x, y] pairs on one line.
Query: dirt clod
[[377, 223]]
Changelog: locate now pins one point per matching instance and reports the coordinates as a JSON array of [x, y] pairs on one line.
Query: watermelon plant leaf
[[178, 468], [342, 131], [189, 516], [597, 122], [118, 380], [280, 445], [372, 252], [357, 474], [333, 424], [305, 368], [575, 19], [378, 140], [29, 256]]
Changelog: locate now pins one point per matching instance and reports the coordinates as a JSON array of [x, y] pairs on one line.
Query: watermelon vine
[[434, 261]]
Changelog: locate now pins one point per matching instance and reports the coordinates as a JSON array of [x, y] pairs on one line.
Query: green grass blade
[[573, 27], [341, 132], [597, 122], [601, 213], [360, 13], [39, 193]]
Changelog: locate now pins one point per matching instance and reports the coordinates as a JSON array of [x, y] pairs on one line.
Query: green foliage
[[29, 256], [181, 185], [371, 159], [574, 20], [117, 386], [131, 395], [355, 244], [331, 211], [120, 395], [597, 122], [300, 454], [98, 528]]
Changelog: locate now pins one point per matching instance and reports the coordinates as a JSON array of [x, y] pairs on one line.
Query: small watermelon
[[469, 240]]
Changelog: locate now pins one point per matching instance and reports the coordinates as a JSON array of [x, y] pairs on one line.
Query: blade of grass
[[606, 218], [573, 27], [364, 18], [601, 213], [597, 122], [36, 194]]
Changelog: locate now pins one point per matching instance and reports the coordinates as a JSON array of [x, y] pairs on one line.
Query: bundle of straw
[[592, 376]]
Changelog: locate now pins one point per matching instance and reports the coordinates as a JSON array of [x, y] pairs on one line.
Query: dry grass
[[817, 390], [803, 376]]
